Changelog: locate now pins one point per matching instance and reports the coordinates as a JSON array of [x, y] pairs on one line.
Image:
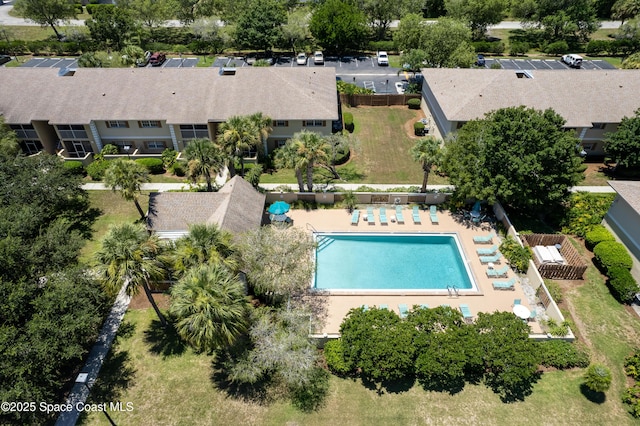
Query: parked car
[[4, 59], [573, 60], [157, 59], [383, 59], [318, 58], [142, 62], [301, 59], [480, 61]]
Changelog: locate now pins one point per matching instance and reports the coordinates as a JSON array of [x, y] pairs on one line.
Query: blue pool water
[[389, 262]]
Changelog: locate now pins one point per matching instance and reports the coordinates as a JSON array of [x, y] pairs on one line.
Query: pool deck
[[485, 300]]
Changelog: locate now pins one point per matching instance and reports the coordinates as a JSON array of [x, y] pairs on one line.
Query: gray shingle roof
[[180, 95], [236, 208], [582, 97], [629, 191]]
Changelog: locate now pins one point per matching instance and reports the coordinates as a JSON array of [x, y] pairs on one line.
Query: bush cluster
[[586, 210], [385, 45], [347, 119], [414, 103], [352, 89], [334, 356], [75, 167], [631, 396], [155, 166], [597, 235], [92, 7], [622, 284], [493, 47], [178, 169], [611, 254], [518, 48], [517, 255], [97, 168], [612, 47], [562, 355]]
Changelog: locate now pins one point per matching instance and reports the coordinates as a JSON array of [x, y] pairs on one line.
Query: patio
[[485, 300]]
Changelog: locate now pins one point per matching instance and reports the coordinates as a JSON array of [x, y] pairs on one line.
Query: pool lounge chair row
[[505, 285]]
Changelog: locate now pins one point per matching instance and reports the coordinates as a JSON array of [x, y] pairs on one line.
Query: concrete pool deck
[[485, 300]]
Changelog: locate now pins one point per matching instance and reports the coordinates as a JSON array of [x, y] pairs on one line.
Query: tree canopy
[[623, 146], [259, 26], [339, 26], [519, 156], [382, 12], [478, 14], [111, 25], [47, 12], [559, 19]]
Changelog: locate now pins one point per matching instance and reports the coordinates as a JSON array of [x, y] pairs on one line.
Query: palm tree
[[204, 244], [263, 125], [210, 307], [313, 149], [285, 157], [127, 176], [204, 159], [236, 135], [427, 152], [129, 254]]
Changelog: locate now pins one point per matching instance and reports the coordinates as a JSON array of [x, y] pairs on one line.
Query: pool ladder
[[453, 291]]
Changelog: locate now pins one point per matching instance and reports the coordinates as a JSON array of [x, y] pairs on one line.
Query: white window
[[314, 123], [280, 123], [78, 149], [149, 124], [117, 124]]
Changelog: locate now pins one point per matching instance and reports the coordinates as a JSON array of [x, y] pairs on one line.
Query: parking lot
[[360, 70]]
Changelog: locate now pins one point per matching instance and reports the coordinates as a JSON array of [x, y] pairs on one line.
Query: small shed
[[570, 267]]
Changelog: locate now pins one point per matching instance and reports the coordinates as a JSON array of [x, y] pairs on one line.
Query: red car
[[157, 59]]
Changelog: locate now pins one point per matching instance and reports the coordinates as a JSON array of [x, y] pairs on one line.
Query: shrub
[[557, 48], [386, 45], [555, 329], [562, 355], [178, 169], [418, 128], [517, 255], [598, 378], [597, 235], [352, 89], [413, 103], [110, 149], [586, 210], [632, 365], [75, 167], [554, 290], [622, 284], [611, 254], [310, 396], [518, 48], [632, 397], [497, 48], [154, 165], [334, 355], [97, 168], [347, 119], [169, 156], [598, 47]]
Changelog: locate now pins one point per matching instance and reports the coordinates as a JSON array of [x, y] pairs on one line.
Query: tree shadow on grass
[[390, 386], [595, 397], [518, 391], [164, 341], [257, 392]]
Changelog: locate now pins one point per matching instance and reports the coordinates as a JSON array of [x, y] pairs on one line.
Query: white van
[[573, 60]]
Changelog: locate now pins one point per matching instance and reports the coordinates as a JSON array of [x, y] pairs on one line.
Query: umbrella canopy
[[476, 207], [279, 207]]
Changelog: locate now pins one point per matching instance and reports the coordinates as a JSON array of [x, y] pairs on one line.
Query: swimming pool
[[390, 262]]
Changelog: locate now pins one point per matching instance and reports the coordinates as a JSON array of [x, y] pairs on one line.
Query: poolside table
[[521, 311]]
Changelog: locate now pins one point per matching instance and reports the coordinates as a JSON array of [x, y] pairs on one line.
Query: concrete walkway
[[78, 395]]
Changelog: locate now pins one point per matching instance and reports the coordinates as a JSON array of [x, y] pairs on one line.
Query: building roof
[[236, 208], [177, 95], [629, 191], [582, 97]]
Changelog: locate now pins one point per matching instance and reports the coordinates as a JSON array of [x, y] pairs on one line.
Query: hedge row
[[39, 47], [613, 259], [495, 47], [597, 235], [154, 165]]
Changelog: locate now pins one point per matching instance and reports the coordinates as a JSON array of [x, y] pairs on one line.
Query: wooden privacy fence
[[574, 267], [377, 100]]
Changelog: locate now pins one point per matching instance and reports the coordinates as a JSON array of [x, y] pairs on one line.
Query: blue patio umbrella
[[278, 208], [476, 207]]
